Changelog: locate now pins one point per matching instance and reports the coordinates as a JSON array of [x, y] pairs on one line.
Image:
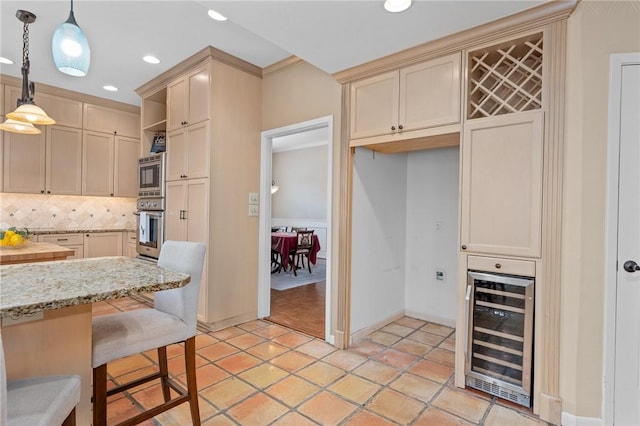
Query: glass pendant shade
[[17, 126], [70, 48], [32, 114]]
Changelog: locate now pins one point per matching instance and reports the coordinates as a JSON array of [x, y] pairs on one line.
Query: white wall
[[432, 234], [398, 199], [378, 243], [302, 177]]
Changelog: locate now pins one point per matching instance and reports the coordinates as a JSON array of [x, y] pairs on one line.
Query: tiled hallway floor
[[259, 373]]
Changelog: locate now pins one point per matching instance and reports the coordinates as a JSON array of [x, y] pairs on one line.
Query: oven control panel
[[152, 204]]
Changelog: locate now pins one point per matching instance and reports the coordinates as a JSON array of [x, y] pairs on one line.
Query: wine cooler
[[500, 335]]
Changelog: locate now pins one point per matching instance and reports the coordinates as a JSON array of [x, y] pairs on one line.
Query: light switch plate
[[254, 210], [253, 198]]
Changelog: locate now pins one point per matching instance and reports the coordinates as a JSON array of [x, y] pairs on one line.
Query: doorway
[[269, 144], [622, 284]]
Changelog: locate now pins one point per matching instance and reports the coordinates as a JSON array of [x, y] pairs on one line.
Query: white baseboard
[[432, 318], [573, 420], [357, 336]]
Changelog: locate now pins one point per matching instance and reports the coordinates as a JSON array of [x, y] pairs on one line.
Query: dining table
[[285, 242], [46, 312]]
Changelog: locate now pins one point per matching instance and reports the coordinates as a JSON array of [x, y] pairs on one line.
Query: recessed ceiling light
[[110, 88], [215, 15], [151, 59], [396, 5], [4, 60]]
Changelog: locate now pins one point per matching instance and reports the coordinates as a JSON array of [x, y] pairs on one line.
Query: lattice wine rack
[[506, 78]]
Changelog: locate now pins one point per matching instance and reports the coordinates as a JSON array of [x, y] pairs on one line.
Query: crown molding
[[520, 22]]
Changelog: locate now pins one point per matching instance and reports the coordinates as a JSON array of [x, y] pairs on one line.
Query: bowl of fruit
[[14, 237]]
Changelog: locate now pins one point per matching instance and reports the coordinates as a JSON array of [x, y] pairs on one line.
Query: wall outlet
[[254, 210], [439, 226], [253, 198], [440, 275]]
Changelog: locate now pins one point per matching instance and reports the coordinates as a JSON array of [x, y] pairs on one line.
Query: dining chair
[[303, 248], [171, 320], [38, 401]]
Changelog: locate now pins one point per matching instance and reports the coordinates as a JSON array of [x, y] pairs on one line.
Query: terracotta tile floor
[[259, 373]]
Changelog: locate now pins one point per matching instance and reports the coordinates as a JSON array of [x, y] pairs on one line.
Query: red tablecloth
[[287, 241]]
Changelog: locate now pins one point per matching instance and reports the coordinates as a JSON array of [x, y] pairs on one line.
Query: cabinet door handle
[[498, 266], [400, 127], [463, 247], [393, 127], [42, 192], [62, 239]]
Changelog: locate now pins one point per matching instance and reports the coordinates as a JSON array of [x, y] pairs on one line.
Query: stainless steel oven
[[151, 176], [500, 335], [150, 230]]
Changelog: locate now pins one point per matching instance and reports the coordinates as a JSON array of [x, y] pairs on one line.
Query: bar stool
[[38, 401], [171, 320]]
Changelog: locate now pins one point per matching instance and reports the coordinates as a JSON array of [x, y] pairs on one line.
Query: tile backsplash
[[66, 212]]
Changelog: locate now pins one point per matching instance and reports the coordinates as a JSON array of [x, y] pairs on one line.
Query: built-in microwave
[[151, 175]]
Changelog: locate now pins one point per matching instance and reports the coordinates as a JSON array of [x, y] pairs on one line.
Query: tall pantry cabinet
[[209, 109]]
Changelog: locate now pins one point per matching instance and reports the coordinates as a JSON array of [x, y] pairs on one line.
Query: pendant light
[[274, 187], [22, 119], [70, 48]]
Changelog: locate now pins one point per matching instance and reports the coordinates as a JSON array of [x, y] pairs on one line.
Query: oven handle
[[150, 213]]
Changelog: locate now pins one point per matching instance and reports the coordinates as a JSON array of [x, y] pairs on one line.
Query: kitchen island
[[33, 252], [46, 312]]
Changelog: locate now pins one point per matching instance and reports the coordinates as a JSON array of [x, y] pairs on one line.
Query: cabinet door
[[430, 93], [502, 185], [176, 154], [24, 162], [196, 213], [176, 104], [125, 182], [198, 96], [176, 201], [97, 163], [188, 152], [374, 105], [109, 120], [64, 160], [197, 151], [98, 244]]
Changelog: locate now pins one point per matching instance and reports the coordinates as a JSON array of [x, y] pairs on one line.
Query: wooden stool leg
[[100, 395], [164, 372], [192, 387]]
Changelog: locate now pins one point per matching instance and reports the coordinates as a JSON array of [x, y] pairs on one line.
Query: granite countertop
[[44, 231], [32, 287]]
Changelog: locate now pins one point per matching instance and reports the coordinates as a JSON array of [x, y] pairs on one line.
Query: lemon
[[16, 240]]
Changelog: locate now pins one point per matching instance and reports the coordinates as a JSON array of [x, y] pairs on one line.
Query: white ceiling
[[332, 35]]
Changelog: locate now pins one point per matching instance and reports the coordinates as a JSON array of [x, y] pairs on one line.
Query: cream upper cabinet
[[98, 153], [49, 163], [501, 203], [109, 120], [66, 112], [24, 162], [417, 97], [109, 165], [188, 99], [188, 152], [125, 174], [63, 161], [99, 244]]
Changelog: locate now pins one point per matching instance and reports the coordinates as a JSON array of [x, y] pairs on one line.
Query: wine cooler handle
[[467, 299]]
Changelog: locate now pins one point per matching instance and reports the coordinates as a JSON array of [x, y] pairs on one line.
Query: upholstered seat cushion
[[126, 333], [42, 401]]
